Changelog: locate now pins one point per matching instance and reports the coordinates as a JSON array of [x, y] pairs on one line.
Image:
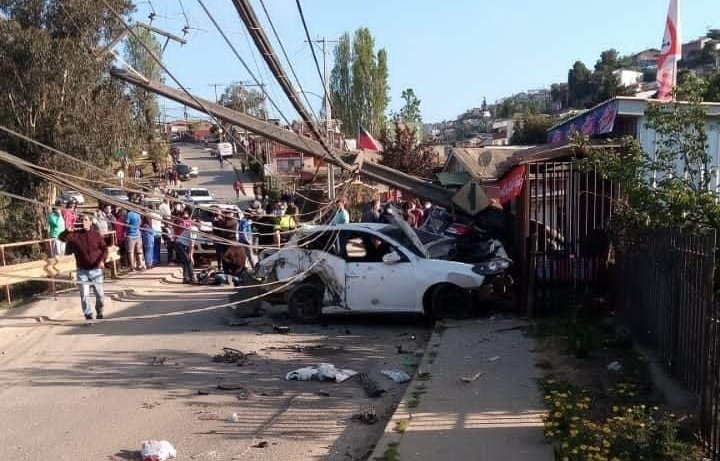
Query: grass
[[402, 425], [391, 453]]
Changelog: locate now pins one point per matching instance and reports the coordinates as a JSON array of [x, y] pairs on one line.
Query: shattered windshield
[[402, 238]]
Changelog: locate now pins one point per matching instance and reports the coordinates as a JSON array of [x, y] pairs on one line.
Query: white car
[[115, 193], [73, 196], [372, 268], [223, 149], [198, 195]]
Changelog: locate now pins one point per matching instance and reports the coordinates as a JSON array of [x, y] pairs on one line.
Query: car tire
[[449, 301], [305, 303]]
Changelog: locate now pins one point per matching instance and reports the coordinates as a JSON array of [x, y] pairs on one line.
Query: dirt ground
[[69, 391]]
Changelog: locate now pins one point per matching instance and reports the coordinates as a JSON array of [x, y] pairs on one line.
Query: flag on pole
[[670, 54], [366, 141]]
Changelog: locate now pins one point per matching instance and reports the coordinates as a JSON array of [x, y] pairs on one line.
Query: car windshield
[[203, 214], [399, 236], [200, 193], [182, 169], [114, 192]]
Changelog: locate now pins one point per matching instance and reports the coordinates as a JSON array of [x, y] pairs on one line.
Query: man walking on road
[[134, 242], [90, 252]]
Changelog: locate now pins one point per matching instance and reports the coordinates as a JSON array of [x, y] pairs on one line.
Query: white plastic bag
[[323, 372], [157, 450], [302, 374], [398, 376]]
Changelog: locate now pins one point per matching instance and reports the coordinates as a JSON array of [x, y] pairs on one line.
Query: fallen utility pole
[[342, 159]]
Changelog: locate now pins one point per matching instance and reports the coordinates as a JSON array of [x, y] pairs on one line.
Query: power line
[[312, 48], [287, 58]]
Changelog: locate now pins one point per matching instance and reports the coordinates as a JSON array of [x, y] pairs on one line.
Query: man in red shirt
[[90, 252]]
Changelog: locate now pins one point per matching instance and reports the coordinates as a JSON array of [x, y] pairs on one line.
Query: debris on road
[[230, 387], [367, 416], [494, 359], [238, 323], [469, 379], [158, 361], [323, 372], [261, 444], [203, 393], [281, 329], [398, 376], [370, 386], [231, 355], [157, 450], [234, 418]]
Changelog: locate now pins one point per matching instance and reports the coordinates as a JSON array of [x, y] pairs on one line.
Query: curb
[[402, 412]]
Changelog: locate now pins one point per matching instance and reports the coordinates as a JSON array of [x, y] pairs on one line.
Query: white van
[[224, 149]]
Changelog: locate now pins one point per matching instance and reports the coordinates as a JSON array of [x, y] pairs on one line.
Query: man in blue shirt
[[341, 215], [134, 242]]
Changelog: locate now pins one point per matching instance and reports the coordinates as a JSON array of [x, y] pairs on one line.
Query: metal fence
[[666, 296], [568, 215]]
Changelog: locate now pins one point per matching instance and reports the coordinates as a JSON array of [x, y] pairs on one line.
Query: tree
[[403, 153], [54, 90], [359, 83], [579, 85], [241, 99], [147, 109], [668, 187], [410, 112], [531, 130]]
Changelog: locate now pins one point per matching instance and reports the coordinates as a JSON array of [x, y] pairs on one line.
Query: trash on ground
[[494, 359], [323, 372], [615, 366], [408, 362], [234, 418], [231, 355], [280, 329], [261, 444], [398, 376], [469, 379], [157, 450], [370, 386], [367, 416], [203, 393]]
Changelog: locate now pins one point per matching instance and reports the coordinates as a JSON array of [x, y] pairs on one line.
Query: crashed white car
[[371, 268]]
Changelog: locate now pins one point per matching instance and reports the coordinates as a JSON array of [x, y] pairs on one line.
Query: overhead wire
[[312, 49]]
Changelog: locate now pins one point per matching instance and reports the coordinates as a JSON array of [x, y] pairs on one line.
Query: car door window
[[364, 248]]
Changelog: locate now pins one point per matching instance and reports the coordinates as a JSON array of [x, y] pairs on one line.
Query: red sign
[[510, 186]]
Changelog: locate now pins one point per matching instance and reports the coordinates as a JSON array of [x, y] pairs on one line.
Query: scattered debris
[[366, 416], [238, 323], [323, 372], [370, 386], [261, 444], [150, 406], [494, 359], [231, 355], [244, 394], [469, 379], [203, 393], [229, 387], [398, 376], [275, 393], [157, 450], [615, 366], [234, 418], [195, 330], [280, 329], [323, 394], [157, 361]]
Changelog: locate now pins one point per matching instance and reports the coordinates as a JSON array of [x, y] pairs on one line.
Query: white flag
[[670, 54]]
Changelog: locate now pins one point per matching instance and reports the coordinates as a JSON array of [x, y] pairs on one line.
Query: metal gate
[[569, 211]]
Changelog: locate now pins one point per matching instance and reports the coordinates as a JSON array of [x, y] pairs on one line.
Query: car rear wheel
[[451, 301], [305, 303]]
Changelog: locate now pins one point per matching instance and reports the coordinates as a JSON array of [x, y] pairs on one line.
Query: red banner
[[510, 186]]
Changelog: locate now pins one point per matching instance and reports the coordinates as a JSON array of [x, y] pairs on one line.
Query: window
[[200, 193], [366, 248], [323, 241]]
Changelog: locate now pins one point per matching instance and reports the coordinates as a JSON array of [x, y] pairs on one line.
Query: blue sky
[[451, 53]]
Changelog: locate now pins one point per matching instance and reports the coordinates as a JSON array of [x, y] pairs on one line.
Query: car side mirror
[[391, 258]]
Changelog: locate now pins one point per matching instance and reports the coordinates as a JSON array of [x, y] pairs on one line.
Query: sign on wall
[[599, 120]]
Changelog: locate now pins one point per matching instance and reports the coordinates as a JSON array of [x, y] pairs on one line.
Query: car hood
[[409, 232]]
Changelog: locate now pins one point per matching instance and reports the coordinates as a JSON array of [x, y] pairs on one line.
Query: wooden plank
[[48, 267]]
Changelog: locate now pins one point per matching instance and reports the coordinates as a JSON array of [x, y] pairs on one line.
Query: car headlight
[[491, 267]]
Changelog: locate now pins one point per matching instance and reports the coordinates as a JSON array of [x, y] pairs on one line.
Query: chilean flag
[[366, 141], [670, 54]]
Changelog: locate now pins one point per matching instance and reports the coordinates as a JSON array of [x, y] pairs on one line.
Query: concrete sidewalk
[[495, 416]]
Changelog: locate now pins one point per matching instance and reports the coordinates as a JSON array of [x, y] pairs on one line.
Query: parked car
[[185, 171], [72, 196], [373, 268], [115, 193], [223, 149], [205, 214], [197, 195]]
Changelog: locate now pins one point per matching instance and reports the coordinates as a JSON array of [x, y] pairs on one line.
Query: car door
[[370, 284]]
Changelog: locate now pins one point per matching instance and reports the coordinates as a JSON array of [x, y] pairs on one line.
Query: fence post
[[7, 287]]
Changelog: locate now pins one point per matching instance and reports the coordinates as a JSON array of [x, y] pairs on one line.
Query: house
[[692, 51], [646, 59], [485, 164], [627, 77], [502, 131]]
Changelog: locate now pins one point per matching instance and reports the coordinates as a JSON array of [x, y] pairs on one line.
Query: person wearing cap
[[90, 251], [56, 224]]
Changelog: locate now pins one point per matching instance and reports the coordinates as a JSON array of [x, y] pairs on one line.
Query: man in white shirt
[[184, 248]]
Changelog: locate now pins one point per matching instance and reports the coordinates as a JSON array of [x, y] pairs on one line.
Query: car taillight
[[459, 229]]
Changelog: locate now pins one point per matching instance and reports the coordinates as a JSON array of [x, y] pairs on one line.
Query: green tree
[[579, 85], [531, 129], [359, 83], [147, 109], [403, 152], [56, 91], [241, 99], [410, 111]]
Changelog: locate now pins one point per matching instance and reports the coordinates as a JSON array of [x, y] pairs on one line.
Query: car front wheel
[[451, 301], [305, 303]]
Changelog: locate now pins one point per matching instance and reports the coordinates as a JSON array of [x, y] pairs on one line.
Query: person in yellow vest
[[286, 223]]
